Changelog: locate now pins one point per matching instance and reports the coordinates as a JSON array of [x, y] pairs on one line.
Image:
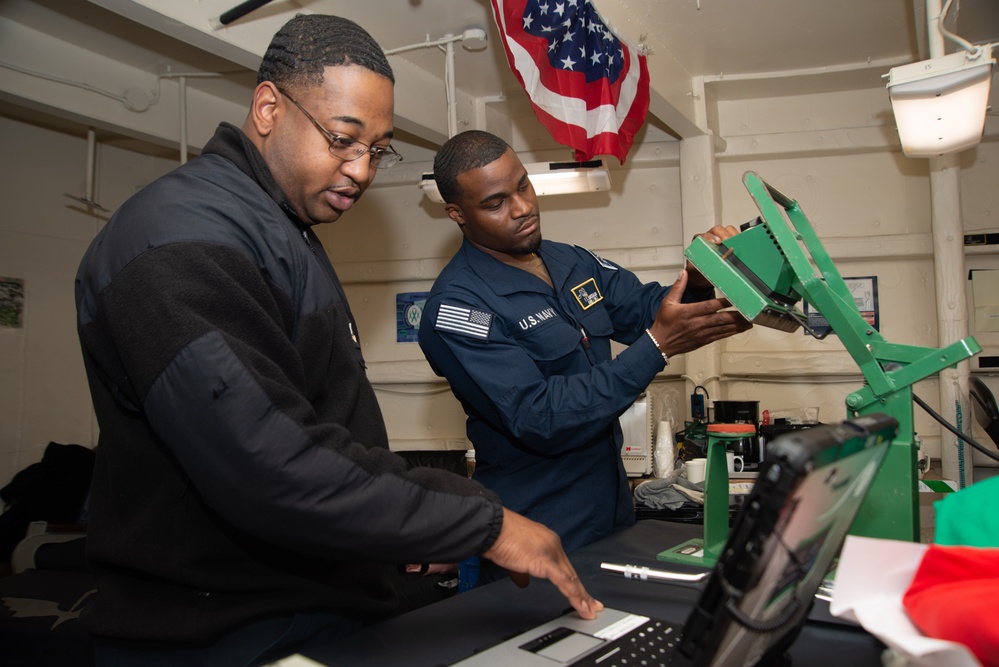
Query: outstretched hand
[[682, 327], [528, 549]]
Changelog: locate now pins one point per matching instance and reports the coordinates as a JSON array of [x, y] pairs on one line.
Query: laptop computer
[[756, 599]]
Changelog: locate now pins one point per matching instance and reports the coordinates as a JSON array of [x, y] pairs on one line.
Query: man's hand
[[715, 235], [682, 327], [528, 549]]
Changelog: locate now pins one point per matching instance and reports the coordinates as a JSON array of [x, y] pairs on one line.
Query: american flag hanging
[[589, 89]]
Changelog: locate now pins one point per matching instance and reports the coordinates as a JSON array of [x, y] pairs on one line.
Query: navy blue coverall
[[532, 368]]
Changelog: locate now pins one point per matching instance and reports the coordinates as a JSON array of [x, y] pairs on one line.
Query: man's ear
[[454, 212], [264, 108]]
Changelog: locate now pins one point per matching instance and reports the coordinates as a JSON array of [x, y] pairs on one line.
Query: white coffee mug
[[732, 459], [696, 470]]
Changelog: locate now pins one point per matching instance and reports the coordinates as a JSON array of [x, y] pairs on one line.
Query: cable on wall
[[134, 99], [129, 99], [88, 198]]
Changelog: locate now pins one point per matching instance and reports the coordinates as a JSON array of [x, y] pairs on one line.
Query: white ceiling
[[739, 48]]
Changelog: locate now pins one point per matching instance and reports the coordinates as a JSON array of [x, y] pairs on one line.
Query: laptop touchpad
[[562, 644]]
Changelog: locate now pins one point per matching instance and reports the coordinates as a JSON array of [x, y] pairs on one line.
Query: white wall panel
[[43, 235]]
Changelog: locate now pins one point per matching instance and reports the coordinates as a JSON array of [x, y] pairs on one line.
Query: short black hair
[[306, 45], [462, 152]]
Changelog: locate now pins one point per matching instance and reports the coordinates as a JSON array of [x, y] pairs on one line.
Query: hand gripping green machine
[[765, 271]]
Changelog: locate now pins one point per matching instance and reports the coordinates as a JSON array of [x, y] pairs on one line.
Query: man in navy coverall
[[522, 329]]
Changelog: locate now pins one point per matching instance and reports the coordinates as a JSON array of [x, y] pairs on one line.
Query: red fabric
[[586, 86], [954, 595]]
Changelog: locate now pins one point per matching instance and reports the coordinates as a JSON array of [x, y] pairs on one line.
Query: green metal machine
[[766, 271]]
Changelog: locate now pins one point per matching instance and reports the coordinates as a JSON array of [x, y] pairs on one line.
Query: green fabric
[[969, 517]]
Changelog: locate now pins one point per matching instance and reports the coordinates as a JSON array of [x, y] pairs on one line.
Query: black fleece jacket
[[242, 469]]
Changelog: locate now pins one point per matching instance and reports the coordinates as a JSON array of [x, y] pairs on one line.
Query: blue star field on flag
[[577, 38]]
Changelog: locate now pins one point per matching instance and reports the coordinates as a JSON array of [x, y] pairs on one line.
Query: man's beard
[[532, 245]]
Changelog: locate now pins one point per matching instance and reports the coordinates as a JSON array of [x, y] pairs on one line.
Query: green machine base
[[704, 552], [765, 271]]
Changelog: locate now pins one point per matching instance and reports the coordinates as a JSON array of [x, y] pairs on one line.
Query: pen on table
[[648, 574]]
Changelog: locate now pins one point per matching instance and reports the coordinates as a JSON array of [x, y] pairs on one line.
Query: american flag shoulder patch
[[607, 264], [463, 320]]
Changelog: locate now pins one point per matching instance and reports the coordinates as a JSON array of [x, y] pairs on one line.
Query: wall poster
[[985, 292], [11, 302], [865, 294], [408, 313]]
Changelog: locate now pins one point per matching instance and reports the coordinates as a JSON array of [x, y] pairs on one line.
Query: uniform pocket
[[597, 322], [547, 341]]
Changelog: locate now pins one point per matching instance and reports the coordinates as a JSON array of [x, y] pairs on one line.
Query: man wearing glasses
[[245, 501]]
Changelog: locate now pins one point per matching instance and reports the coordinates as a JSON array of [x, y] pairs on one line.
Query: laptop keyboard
[[650, 645]]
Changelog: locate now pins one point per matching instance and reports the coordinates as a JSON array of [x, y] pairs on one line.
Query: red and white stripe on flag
[[586, 86]]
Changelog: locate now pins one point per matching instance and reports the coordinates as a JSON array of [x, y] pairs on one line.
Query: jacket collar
[[504, 279], [231, 143]]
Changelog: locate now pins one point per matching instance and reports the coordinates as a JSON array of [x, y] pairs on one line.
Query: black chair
[[41, 602], [43, 539], [985, 408]]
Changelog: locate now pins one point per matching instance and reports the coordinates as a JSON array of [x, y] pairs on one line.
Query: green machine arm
[[776, 262]]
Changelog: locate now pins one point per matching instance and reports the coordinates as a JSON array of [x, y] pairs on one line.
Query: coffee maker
[[742, 412]]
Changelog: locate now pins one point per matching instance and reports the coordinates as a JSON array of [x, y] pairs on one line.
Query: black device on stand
[[742, 412], [770, 432]]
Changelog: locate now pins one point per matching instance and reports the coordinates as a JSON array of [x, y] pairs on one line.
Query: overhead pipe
[[447, 42], [182, 78], [949, 273], [452, 101], [88, 195], [91, 164], [182, 81], [236, 13]]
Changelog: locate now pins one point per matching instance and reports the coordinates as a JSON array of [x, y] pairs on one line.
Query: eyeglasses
[[348, 150]]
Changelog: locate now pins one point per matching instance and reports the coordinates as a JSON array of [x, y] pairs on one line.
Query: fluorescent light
[[429, 187], [548, 178], [940, 104], [562, 178]]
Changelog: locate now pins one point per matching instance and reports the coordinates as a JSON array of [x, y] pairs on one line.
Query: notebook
[[756, 599]]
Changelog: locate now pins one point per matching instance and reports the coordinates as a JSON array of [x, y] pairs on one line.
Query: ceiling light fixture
[[548, 178], [940, 104]]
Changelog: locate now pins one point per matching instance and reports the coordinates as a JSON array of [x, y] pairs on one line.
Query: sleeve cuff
[[495, 526]]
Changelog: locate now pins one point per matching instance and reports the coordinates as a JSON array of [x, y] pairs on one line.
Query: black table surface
[[447, 631]]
